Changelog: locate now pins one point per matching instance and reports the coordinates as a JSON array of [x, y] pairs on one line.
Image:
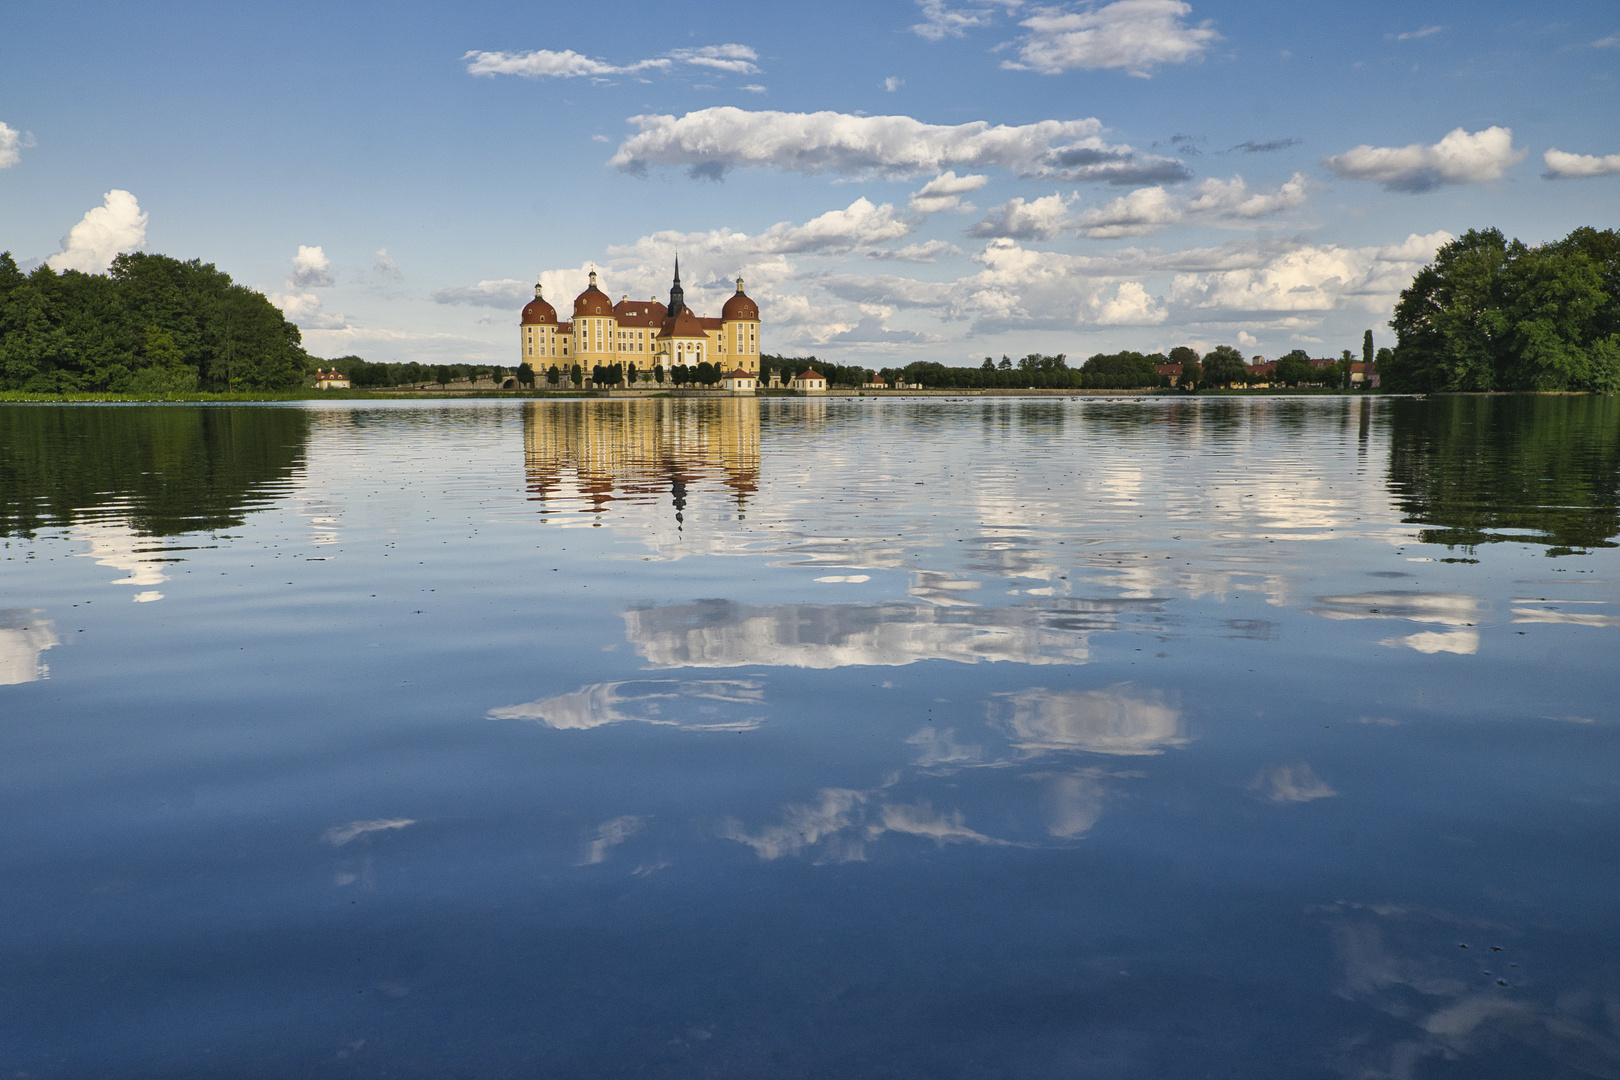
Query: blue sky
[[909, 180]]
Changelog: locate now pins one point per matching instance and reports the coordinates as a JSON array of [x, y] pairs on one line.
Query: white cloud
[[1412, 34], [944, 192], [926, 252], [1132, 306], [311, 269], [1232, 198], [1459, 158], [1562, 166], [893, 83], [837, 230], [308, 311], [1132, 35], [1610, 42], [940, 21], [1292, 784], [1041, 219], [710, 142], [499, 293], [1142, 211], [1306, 277], [383, 263], [12, 142], [567, 64], [116, 226], [738, 59], [753, 88]]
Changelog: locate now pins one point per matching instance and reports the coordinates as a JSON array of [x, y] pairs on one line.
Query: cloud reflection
[[1295, 783], [599, 704], [1446, 609], [610, 833], [721, 633], [1119, 720], [340, 835], [23, 636]]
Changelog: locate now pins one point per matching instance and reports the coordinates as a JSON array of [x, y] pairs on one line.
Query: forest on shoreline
[[1488, 314]]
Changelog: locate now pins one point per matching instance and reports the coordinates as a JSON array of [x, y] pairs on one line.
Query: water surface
[[927, 738]]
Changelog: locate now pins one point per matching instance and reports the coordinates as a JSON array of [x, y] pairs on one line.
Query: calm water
[[844, 738]]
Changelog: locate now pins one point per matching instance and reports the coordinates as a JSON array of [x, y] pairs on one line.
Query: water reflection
[[690, 705], [158, 470], [1462, 613], [722, 633], [1118, 720], [1528, 469], [23, 637], [586, 455]]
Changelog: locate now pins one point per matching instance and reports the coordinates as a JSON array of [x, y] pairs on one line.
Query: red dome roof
[[592, 302], [539, 311], [739, 306]]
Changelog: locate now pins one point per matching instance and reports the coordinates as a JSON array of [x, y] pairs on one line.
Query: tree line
[[1494, 314], [151, 325]]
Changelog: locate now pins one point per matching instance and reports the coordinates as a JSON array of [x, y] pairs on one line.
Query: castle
[[640, 334]]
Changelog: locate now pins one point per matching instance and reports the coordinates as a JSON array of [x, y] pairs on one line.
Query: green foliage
[[525, 374], [1123, 371], [1294, 368], [1367, 348], [1494, 314], [67, 332], [1224, 366]]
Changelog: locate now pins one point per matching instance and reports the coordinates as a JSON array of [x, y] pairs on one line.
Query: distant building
[[810, 381], [640, 334], [331, 380], [741, 382]]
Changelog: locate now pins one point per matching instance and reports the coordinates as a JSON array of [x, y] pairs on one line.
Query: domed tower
[[596, 328], [739, 321], [537, 332]]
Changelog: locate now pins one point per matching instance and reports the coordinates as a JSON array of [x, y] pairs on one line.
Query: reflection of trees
[[164, 469], [1481, 470], [602, 451]]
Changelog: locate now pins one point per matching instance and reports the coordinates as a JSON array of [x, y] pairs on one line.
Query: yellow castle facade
[[640, 334]]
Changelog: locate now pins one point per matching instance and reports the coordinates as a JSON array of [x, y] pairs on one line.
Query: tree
[[441, 374], [658, 374], [576, 375], [1294, 368], [1494, 314], [988, 365], [553, 375], [1224, 366], [525, 374], [1367, 348], [1006, 363]]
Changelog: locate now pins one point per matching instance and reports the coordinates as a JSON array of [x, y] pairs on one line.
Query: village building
[[810, 381], [331, 380], [640, 334], [739, 381]]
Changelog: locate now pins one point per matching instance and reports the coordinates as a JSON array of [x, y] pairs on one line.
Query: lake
[[909, 738]]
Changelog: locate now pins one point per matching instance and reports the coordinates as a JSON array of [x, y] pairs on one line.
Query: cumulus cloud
[[384, 264], [1308, 277], [116, 226], [308, 311], [1132, 35], [858, 224], [1459, 158], [926, 252], [944, 192], [1132, 306], [311, 269], [12, 142], [893, 83], [1040, 219], [1140, 212], [499, 293], [1232, 198], [567, 64], [710, 142], [1562, 166]]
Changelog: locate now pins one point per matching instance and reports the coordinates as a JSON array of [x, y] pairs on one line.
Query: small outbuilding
[[810, 381], [331, 380], [740, 382]]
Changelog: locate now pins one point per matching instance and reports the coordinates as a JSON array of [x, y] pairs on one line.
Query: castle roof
[[683, 324], [740, 306], [649, 313], [592, 301]]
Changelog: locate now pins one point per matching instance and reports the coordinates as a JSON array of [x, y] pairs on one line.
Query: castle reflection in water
[[587, 455]]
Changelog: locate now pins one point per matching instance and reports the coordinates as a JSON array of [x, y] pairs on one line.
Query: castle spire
[[677, 296]]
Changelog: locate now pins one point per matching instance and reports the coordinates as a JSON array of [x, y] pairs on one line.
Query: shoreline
[[18, 397]]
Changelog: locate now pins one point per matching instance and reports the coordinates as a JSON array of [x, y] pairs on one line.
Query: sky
[[895, 181]]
